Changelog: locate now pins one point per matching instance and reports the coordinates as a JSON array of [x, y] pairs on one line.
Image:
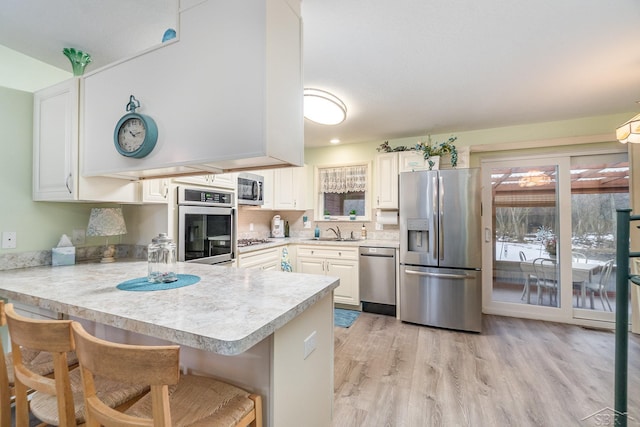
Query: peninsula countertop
[[227, 312]]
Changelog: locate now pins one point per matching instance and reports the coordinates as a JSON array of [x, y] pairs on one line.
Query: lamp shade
[[629, 131], [106, 222], [323, 108]]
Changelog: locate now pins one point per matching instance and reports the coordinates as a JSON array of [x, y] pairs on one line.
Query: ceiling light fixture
[[629, 131], [334, 141], [323, 107]]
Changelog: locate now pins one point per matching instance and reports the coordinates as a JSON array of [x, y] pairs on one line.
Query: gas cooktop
[[249, 242]]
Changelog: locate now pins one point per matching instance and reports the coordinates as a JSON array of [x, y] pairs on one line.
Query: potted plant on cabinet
[[352, 214], [444, 148]]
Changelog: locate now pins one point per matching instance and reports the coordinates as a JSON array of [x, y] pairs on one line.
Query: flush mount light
[[629, 131], [334, 141], [323, 108]]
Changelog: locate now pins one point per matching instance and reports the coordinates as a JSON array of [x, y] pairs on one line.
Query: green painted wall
[[509, 136], [38, 225]]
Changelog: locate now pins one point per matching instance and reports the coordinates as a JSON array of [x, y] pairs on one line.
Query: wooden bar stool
[[40, 362], [174, 400], [57, 401]]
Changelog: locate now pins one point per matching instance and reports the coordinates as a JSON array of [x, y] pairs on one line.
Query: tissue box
[[63, 256]]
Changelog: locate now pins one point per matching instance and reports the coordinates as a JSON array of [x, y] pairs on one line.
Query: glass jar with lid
[[161, 254]]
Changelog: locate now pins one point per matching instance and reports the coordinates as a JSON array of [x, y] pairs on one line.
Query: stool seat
[[39, 362], [114, 394], [225, 404], [58, 400], [175, 400]]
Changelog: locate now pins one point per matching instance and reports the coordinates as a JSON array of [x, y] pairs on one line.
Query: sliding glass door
[[549, 239]]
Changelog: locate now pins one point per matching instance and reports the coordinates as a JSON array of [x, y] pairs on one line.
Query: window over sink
[[343, 190]]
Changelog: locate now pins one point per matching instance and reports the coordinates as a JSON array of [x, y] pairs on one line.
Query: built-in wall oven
[[206, 226]]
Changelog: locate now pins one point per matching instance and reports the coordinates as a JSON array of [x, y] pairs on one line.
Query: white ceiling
[[403, 67]]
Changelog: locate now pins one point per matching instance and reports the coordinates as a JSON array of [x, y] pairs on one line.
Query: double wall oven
[[206, 226]]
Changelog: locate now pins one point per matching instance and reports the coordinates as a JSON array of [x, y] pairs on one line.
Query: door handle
[[67, 182], [438, 275]]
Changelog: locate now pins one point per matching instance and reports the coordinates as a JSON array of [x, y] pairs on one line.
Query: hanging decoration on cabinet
[[135, 134]]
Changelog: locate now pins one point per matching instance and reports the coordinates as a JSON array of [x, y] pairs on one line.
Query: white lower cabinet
[[264, 259], [341, 262]]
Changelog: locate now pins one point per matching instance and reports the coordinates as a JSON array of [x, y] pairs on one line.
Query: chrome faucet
[[337, 233]]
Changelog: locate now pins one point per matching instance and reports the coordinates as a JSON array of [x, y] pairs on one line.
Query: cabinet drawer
[[259, 257], [339, 252]]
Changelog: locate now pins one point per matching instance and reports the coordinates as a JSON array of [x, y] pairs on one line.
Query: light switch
[[8, 239]]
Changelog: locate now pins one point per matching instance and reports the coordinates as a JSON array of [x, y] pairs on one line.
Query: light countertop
[[227, 312], [310, 241]]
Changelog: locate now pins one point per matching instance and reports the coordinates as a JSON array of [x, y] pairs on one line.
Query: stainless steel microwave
[[250, 189]]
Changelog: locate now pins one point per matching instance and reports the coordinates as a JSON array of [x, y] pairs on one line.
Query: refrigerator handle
[[441, 218], [435, 212], [440, 275]]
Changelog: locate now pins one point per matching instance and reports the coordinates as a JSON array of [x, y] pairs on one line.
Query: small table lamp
[[106, 222]]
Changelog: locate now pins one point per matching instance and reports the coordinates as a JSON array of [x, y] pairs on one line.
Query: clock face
[[131, 134]]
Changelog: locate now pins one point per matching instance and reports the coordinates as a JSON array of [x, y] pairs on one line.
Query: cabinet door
[[202, 180], [55, 142], [224, 180], [410, 161], [386, 181], [347, 271], [268, 188], [310, 265], [155, 190], [289, 188]]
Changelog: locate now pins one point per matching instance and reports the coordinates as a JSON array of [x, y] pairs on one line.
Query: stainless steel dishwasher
[[378, 280]]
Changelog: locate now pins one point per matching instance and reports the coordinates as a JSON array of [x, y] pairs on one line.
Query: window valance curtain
[[343, 179]]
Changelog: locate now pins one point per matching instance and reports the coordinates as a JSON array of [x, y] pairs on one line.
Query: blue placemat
[[142, 284]]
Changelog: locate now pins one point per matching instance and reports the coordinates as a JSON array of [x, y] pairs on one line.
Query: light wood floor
[[518, 372]]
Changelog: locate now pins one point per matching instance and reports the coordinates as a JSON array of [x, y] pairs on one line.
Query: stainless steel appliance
[[250, 189], [440, 249], [377, 271], [206, 226]]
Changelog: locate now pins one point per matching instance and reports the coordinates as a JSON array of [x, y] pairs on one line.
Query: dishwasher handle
[[377, 251], [377, 255]]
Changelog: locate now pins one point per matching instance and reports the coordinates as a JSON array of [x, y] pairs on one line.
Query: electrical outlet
[[8, 239], [250, 226], [310, 344], [78, 236]]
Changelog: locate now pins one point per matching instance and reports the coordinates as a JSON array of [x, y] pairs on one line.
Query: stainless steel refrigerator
[[440, 249]]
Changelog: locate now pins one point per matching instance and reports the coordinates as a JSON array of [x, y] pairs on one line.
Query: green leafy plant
[[352, 212], [430, 149]]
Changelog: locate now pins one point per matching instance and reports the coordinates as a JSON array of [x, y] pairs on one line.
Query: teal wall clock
[[135, 134]]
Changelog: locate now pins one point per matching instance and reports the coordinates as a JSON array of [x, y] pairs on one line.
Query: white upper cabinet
[[410, 161], [225, 95], [155, 190], [56, 155], [386, 178], [218, 180], [289, 188], [268, 187]]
